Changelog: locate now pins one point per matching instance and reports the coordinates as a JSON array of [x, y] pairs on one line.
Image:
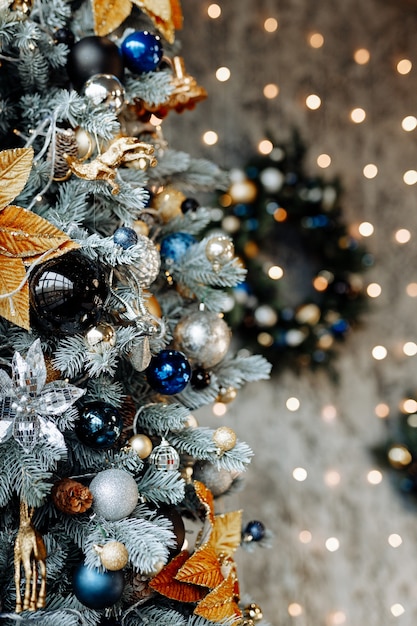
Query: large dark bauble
[[97, 590], [99, 425], [67, 294], [171, 513], [142, 51], [93, 55]]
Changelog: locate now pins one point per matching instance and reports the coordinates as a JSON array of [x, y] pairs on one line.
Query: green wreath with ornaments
[[304, 291]]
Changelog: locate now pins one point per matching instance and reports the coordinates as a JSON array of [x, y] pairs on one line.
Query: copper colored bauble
[[204, 337], [142, 445], [226, 395], [113, 555], [224, 438]]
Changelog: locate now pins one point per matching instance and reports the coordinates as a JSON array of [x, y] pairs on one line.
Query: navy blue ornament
[[99, 425], [189, 204], [142, 51], [93, 55], [125, 237], [95, 589], [174, 246], [254, 531], [169, 372]]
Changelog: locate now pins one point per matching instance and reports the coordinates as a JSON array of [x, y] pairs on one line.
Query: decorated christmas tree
[[112, 330]]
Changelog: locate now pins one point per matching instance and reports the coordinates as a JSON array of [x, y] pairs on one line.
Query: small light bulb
[[313, 101], [379, 353], [299, 474], [293, 404], [210, 138]]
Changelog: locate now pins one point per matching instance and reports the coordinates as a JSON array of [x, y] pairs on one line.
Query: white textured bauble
[[115, 494], [217, 480], [204, 337], [146, 267], [142, 445], [219, 251], [105, 90], [113, 555]]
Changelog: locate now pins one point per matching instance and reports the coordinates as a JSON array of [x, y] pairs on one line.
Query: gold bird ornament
[[121, 151]]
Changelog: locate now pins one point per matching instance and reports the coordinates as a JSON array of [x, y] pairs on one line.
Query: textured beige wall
[[366, 576]]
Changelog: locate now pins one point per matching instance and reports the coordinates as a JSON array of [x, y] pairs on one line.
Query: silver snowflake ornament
[[27, 400]]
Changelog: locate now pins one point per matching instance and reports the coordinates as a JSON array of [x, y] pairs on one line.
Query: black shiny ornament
[[189, 204], [64, 35], [200, 378], [93, 55], [67, 294], [99, 425]]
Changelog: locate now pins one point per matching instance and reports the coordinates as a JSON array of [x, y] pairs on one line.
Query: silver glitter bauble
[[146, 268], [107, 90], [219, 251], [217, 480], [115, 494], [204, 337]]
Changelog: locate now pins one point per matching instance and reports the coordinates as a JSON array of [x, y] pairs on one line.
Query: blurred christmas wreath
[[399, 451], [304, 291]]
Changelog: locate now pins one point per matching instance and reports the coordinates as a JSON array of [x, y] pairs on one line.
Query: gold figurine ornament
[[122, 151], [29, 552]]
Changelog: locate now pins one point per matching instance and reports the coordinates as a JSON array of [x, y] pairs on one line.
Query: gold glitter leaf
[[15, 309], [202, 568], [165, 14], [227, 533], [15, 166], [25, 235], [166, 584], [220, 604], [109, 14]]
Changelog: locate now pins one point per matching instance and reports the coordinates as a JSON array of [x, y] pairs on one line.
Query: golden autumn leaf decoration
[[166, 15], [207, 577], [25, 238]]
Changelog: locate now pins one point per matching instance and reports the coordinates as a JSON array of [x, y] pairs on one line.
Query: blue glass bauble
[[125, 237], [67, 294], [168, 372], [99, 425], [95, 589], [255, 529], [174, 246], [141, 51]]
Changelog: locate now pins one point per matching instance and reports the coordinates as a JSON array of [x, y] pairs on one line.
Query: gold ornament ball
[[101, 335], [224, 438], [113, 555], [168, 203], [219, 251], [399, 456], [142, 445], [253, 612]]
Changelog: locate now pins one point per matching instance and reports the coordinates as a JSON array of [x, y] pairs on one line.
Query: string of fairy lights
[[401, 236]]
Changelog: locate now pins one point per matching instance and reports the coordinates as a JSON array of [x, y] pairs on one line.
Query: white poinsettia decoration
[[27, 401]]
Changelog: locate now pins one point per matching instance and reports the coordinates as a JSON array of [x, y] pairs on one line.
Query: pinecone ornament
[[70, 496], [65, 143]]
